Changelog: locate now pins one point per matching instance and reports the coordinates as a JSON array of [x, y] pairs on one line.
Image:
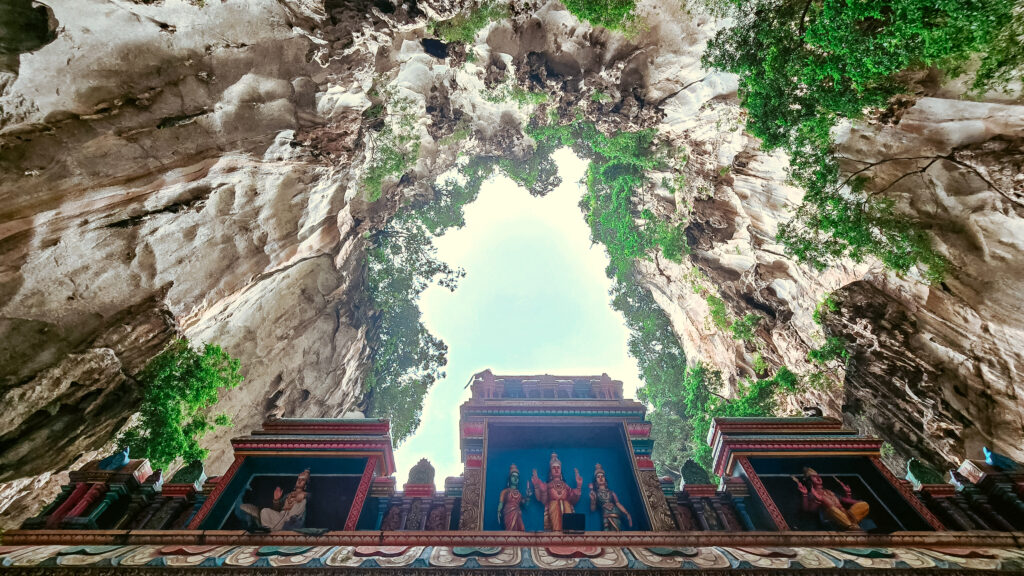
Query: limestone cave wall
[[172, 168]]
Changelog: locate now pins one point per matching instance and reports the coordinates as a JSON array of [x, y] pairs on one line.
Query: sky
[[534, 301]]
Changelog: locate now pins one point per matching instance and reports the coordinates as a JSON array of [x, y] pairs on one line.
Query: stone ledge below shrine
[[497, 538]]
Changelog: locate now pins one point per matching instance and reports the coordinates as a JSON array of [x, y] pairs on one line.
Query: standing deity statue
[[511, 503], [843, 511], [556, 496], [601, 495]]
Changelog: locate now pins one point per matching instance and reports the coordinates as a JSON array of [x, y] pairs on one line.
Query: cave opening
[[535, 298]]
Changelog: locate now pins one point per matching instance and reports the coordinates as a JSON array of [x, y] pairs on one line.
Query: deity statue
[[287, 512], [511, 502], [436, 519], [843, 511], [555, 494], [392, 519], [415, 515], [603, 496]]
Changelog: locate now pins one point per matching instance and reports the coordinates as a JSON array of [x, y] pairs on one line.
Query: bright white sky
[[534, 300]]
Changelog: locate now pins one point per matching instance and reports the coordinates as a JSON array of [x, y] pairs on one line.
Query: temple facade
[[557, 476]]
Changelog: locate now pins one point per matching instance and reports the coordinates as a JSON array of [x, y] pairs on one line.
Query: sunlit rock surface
[[170, 169]]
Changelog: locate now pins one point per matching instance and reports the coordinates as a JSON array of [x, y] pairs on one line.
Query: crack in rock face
[[171, 169]]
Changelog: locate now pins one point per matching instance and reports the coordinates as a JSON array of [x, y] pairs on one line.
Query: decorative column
[[361, 492], [471, 516], [53, 521], [94, 493], [113, 494]]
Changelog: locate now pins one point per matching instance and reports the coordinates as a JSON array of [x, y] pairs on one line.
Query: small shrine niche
[[811, 474], [300, 474]]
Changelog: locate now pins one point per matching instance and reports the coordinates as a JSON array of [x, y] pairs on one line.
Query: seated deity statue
[[603, 497], [555, 495], [844, 511], [288, 512]]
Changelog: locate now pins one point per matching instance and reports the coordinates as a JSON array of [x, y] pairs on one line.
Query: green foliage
[[511, 92], [407, 359], [618, 169], [803, 66], [393, 149], [743, 328], [464, 26], [760, 364], [611, 14], [525, 97], [834, 348], [179, 386], [662, 362], [827, 304], [599, 96], [701, 393]]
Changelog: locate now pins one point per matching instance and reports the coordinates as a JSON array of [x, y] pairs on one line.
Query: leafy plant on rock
[[805, 65], [464, 26], [617, 15], [179, 386]]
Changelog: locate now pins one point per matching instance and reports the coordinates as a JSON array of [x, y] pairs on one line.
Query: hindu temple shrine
[[557, 478]]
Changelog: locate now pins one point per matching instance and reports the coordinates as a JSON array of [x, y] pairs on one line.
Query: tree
[[179, 386], [702, 395], [407, 359]]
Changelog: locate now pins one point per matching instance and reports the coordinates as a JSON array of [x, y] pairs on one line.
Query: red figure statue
[[555, 495]]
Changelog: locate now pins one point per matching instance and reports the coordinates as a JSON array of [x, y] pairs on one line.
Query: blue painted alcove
[[333, 483], [579, 445]]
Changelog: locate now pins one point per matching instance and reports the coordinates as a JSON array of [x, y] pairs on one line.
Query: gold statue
[[843, 511], [556, 496], [609, 502]]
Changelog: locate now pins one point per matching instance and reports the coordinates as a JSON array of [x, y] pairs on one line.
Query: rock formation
[[177, 168]]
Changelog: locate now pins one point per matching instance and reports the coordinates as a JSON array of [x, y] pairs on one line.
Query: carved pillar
[[939, 499], [657, 506], [472, 499], [74, 518], [113, 494], [360, 497], [142, 518], [53, 521]]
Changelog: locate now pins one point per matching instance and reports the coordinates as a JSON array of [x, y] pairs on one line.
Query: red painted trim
[[53, 520], [908, 495], [700, 490], [178, 490], [644, 462], [418, 490], [305, 443], [726, 446], [360, 498], [222, 484], [762, 493]]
